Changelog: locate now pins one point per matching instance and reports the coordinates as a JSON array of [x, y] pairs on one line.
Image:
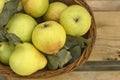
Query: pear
[[6, 50], [26, 59]]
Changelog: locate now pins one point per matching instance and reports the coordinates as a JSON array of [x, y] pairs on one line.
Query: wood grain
[[112, 65], [107, 45], [104, 5], [91, 75]]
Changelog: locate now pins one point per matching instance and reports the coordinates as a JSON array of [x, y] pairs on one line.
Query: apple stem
[[76, 20], [46, 25]]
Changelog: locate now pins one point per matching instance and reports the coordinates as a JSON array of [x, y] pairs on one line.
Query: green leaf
[[71, 42], [64, 57], [9, 9], [10, 37], [75, 53], [84, 42], [75, 46], [20, 7], [53, 62], [58, 60], [2, 36]]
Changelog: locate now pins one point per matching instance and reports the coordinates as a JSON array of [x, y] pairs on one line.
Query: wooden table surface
[[107, 46], [107, 16]]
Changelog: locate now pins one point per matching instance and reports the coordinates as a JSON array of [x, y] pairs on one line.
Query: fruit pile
[[37, 34]]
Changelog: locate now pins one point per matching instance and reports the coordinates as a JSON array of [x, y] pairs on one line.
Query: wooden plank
[[100, 66], [89, 68], [86, 75], [104, 5], [107, 45]]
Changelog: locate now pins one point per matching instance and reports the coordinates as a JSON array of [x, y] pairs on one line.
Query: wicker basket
[[6, 71]]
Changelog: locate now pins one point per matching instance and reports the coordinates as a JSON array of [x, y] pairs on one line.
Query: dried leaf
[[9, 9]]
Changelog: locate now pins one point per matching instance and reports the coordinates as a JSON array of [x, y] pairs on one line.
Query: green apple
[[35, 8], [49, 37], [26, 59], [22, 25], [6, 50], [54, 11], [76, 20], [2, 2]]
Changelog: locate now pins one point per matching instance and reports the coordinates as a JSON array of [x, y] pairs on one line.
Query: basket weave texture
[[6, 71]]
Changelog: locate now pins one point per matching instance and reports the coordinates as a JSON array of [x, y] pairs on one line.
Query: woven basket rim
[[6, 71]]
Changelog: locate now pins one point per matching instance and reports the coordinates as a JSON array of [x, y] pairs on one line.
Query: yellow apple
[[35, 8], [49, 37], [54, 11], [22, 25], [76, 20]]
